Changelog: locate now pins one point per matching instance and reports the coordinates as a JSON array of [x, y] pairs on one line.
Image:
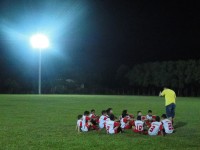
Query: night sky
[[91, 35]]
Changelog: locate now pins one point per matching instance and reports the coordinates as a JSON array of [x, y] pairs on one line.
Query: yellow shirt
[[170, 96]]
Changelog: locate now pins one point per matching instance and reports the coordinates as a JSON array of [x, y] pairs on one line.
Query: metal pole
[[39, 75]]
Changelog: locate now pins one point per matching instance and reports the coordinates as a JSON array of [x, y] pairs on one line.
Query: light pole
[[39, 71], [40, 42]]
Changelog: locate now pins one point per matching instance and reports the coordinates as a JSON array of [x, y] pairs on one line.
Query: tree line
[[142, 79], [149, 78]]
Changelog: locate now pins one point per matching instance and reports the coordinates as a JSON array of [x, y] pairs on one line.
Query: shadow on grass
[[180, 124]]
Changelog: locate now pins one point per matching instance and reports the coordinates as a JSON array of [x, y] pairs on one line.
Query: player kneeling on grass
[[102, 120], [126, 120], [156, 127], [79, 123], [113, 126], [167, 125]]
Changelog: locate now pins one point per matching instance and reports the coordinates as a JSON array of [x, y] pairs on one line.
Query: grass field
[[48, 122]]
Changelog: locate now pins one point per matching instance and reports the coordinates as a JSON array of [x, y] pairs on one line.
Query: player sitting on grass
[[138, 126], [94, 118], [79, 123], [102, 119], [156, 127], [143, 118], [126, 120], [86, 124], [126, 112], [109, 112], [167, 125], [149, 118], [113, 127], [149, 115]]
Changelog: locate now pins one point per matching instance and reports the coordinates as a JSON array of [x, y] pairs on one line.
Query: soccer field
[[48, 122]]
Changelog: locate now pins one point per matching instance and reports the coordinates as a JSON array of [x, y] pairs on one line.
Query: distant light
[[39, 41]]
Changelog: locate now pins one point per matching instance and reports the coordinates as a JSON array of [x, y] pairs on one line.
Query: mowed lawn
[[48, 122]]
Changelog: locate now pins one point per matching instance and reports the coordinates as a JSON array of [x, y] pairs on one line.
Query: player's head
[[139, 118], [164, 116], [86, 113], [125, 112], [131, 115], [149, 112], [92, 111], [124, 115], [79, 117], [109, 111], [139, 113], [158, 118], [112, 117], [103, 112]]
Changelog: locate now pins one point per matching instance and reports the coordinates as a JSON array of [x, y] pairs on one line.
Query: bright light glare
[[39, 41]]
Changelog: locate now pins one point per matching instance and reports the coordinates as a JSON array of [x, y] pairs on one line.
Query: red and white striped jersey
[[102, 121], [123, 121], [92, 116], [111, 126], [106, 122], [79, 123], [84, 123], [85, 120]]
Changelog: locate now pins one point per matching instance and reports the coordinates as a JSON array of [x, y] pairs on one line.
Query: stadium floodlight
[[40, 42]]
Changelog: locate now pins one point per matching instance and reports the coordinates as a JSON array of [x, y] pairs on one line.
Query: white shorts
[[84, 129], [111, 131], [101, 126]]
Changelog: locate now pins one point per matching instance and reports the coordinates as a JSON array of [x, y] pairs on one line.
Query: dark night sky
[[98, 34]]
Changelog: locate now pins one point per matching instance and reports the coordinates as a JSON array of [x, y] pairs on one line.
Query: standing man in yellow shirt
[[170, 102]]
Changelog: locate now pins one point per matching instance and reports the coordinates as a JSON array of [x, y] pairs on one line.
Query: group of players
[[142, 124]]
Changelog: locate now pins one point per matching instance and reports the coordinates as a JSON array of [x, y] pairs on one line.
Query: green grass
[[48, 122]]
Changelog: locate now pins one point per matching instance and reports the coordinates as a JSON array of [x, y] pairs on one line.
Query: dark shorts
[[170, 110]]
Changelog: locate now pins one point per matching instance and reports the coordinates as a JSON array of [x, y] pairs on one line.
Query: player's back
[[91, 115], [155, 128], [106, 122], [84, 120], [110, 126], [79, 123], [167, 125], [84, 123], [139, 126], [102, 121], [123, 121]]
